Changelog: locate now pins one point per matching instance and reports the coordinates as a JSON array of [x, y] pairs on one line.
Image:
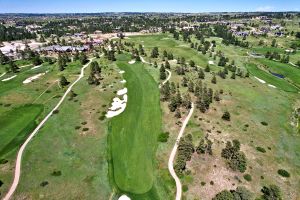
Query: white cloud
[[265, 9]]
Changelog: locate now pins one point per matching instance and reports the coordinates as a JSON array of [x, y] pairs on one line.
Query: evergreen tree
[[207, 68], [201, 74], [214, 79]]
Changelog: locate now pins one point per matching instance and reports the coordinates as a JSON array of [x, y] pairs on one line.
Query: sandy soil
[[7, 79], [35, 77]]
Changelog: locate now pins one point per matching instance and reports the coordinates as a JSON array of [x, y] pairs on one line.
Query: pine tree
[[162, 71], [214, 79], [201, 74], [191, 86], [178, 114], [232, 76], [184, 82], [207, 68]]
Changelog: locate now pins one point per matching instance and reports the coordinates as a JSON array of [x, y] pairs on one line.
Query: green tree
[[63, 81]]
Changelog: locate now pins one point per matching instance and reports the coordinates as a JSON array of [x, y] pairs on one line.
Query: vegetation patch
[[261, 149], [283, 173]]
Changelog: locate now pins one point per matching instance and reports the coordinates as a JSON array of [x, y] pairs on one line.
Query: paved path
[[20, 153], [169, 72], [173, 154]]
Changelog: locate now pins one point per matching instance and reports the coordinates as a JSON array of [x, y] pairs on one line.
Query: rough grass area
[[133, 134], [15, 125]]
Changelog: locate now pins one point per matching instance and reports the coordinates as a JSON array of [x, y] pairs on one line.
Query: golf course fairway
[[133, 134]]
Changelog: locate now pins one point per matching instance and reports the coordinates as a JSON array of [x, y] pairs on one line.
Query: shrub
[[3, 161], [56, 173], [102, 117], [1, 183], [261, 149], [211, 182], [248, 177], [85, 129], [185, 188], [203, 183], [77, 127], [271, 193], [226, 116], [264, 123], [283, 173], [224, 195], [163, 137], [44, 183], [83, 123], [55, 111]]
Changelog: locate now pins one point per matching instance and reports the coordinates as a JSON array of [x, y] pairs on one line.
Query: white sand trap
[[123, 81], [124, 197], [272, 86], [131, 62], [117, 107], [166, 38], [121, 72], [122, 92], [211, 62], [260, 80], [7, 79], [2, 74], [35, 77], [36, 67]]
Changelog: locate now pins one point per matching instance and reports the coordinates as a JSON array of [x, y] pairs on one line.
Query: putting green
[[15, 125], [133, 134]]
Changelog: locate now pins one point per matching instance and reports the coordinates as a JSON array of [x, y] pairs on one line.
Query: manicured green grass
[[271, 79], [133, 134], [291, 73], [15, 125]]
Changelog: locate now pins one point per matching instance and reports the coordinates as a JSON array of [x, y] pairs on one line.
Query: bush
[[226, 116], [3, 161], [264, 123], [283, 173], [44, 183], [185, 188], [224, 195], [248, 177], [163, 137], [202, 183], [56, 173], [77, 127], [101, 118], [85, 129], [55, 111], [1, 183], [261, 149]]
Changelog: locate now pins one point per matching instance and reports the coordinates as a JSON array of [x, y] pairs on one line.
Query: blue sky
[[67, 6]]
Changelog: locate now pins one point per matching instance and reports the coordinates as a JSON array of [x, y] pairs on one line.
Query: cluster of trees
[[205, 146], [240, 193], [276, 56], [95, 74], [63, 59], [271, 192], [228, 38], [12, 33], [185, 151], [205, 96], [235, 158]]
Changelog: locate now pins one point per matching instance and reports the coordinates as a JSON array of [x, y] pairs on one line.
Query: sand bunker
[[122, 92], [2, 74], [260, 80], [7, 79], [131, 62], [123, 81], [121, 72], [35, 67], [272, 86], [124, 197], [211, 62], [35, 77], [117, 107]]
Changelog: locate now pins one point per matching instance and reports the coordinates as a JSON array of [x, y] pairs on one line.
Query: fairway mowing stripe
[[20, 153], [173, 153]]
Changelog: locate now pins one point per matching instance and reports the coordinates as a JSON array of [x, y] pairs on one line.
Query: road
[[20, 152], [173, 154]]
